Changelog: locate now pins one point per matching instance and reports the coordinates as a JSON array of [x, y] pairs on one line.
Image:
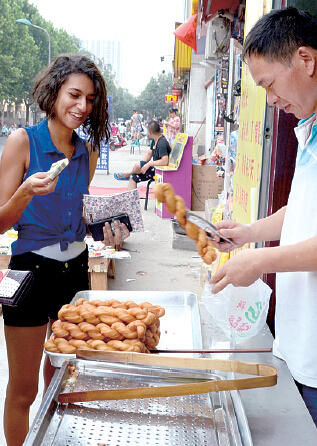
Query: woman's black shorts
[[55, 284]]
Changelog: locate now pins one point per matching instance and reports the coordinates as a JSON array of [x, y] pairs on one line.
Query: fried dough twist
[[61, 345], [175, 205], [106, 325]]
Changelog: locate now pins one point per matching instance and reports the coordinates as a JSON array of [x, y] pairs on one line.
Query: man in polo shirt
[[281, 52]]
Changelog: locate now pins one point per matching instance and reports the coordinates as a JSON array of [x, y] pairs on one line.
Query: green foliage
[[151, 101], [24, 50], [152, 97], [122, 102]]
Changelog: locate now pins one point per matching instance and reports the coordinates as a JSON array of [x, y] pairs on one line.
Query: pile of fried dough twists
[[175, 205], [106, 325]]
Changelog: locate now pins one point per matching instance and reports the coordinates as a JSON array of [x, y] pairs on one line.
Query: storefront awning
[[182, 56], [210, 7]]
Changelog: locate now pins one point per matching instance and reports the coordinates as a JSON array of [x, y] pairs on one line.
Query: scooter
[[116, 142]]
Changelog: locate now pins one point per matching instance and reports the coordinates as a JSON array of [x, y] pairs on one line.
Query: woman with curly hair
[[51, 230]]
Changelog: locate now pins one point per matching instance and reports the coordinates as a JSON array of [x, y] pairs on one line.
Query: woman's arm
[[15, 195], [174, 126], [93, 159]]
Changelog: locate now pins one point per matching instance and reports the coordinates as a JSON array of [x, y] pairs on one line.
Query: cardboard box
[[205, 184]]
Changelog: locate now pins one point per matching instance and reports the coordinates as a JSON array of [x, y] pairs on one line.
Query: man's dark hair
[[278, 34], [49, 82], [154, 127]]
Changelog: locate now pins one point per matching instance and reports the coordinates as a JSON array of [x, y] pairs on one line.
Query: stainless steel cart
[[215, 419]]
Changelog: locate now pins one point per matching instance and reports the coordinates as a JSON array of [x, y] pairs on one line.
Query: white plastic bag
[[239, 311]]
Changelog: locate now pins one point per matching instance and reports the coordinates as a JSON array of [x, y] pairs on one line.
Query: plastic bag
[[239, 311]]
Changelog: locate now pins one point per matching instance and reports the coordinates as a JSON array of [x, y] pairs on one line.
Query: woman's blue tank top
[[56, 217]]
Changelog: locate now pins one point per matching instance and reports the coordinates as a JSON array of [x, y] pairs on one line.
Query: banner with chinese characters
[[247, 173]]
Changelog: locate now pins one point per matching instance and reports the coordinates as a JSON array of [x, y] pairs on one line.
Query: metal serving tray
[[192, 420], [180, 327]]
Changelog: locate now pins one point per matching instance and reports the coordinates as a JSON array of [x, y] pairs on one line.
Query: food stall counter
[[276, 415]]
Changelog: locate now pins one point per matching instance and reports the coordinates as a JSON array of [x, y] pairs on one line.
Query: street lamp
[[28, 23]]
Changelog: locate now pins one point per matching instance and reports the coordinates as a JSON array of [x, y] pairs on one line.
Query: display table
[[276, 415]]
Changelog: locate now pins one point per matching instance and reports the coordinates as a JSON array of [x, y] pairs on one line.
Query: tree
[[24, 50], [152, 97], [122, 102]]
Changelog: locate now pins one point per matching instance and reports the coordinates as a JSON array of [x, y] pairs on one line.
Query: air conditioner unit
[[217, 38]]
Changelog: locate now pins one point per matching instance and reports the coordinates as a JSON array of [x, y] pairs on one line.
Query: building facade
[[109, 52]]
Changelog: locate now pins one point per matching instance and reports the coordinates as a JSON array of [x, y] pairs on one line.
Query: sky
[[144, 28]]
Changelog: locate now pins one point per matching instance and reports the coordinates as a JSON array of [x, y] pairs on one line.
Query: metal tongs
[[208, 227]]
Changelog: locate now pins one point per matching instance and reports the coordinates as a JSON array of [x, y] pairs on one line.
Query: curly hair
[[49, 82]]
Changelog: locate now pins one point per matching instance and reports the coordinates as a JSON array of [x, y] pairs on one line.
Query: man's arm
[[266, 229], [148, 155], [161, 162], [249, 264], [269, 228]]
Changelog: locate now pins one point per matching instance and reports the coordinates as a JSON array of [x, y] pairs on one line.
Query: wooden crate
[[99, 271]]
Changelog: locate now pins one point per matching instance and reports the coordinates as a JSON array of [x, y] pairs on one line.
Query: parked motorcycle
[[116, 142]]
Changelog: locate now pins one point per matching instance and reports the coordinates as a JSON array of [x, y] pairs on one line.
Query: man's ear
[[308, 57]]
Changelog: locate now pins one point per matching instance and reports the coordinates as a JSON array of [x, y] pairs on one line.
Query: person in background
[[157, 155], [51, 229], [12, 128], [136, 124], [281, 53], [173, 126], [4, 130], [122, 129], [114, 129]]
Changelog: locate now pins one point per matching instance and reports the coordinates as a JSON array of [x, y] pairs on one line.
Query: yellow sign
[[247, 173], [171, 98]]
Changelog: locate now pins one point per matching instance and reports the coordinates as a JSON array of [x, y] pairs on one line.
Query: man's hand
[[241, 270], [145, 168], [239, 234], [115, 240], [39, 184]]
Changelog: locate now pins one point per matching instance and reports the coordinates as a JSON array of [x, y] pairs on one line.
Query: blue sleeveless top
[[56, 217]]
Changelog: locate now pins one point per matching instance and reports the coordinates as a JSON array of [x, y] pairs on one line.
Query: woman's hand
[[39, 184], [239, 234], [115, 240]]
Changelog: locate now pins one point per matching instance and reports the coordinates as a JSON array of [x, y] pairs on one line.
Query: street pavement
[[154, 264]]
